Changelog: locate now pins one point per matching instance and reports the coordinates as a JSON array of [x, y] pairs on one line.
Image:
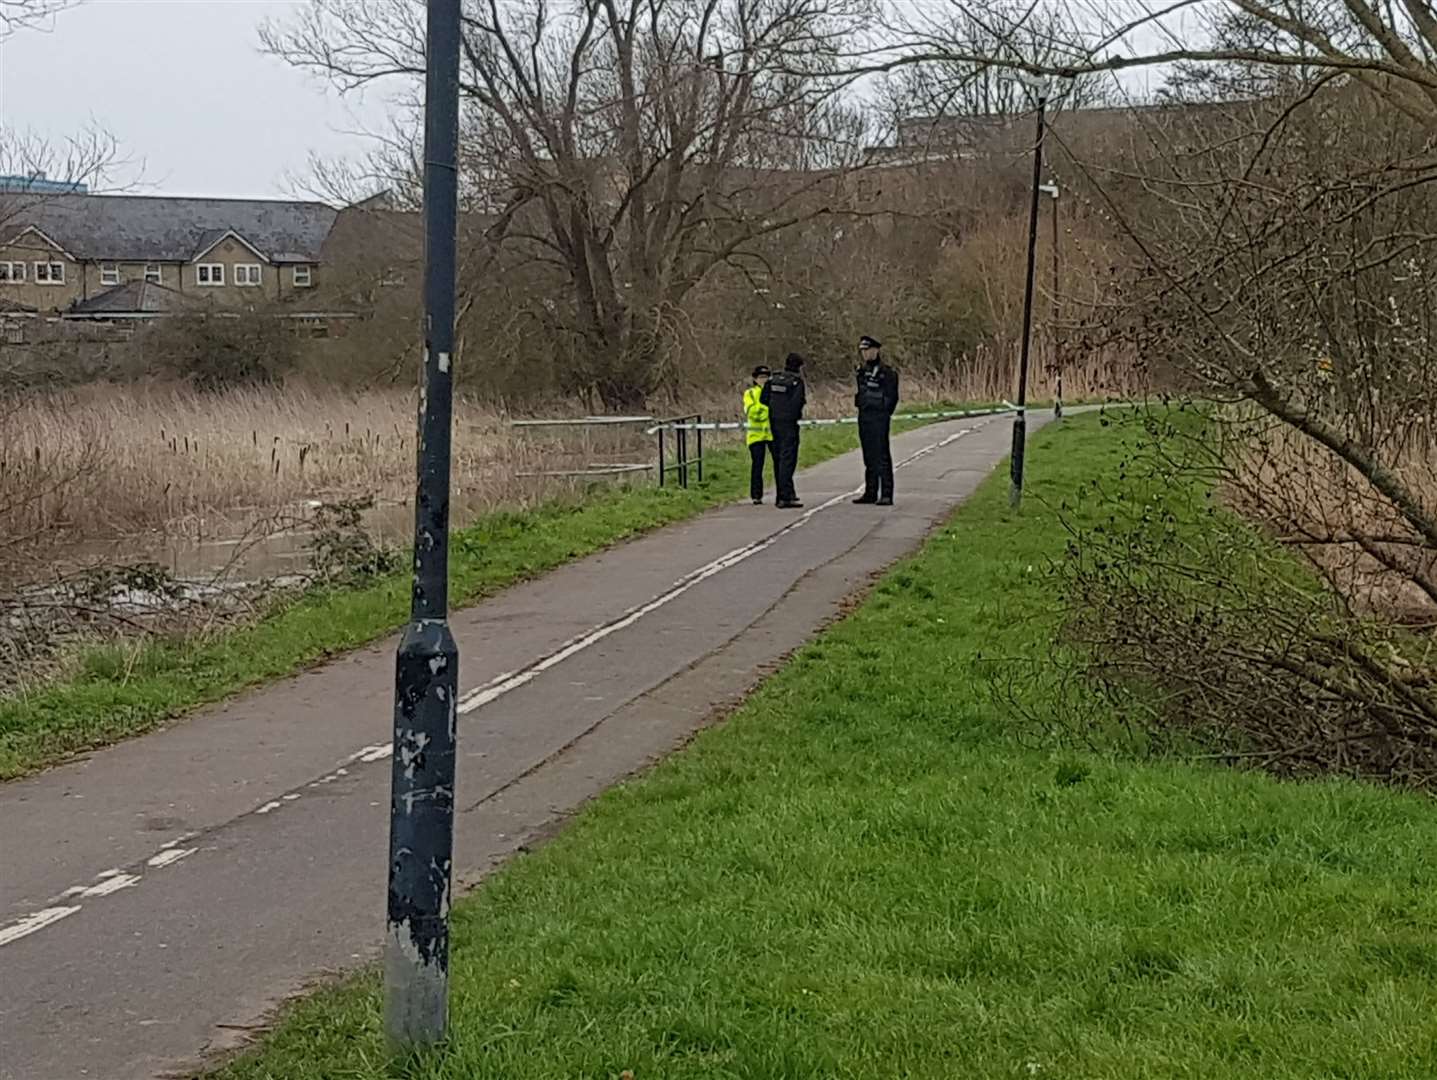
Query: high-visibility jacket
[[755, 415]]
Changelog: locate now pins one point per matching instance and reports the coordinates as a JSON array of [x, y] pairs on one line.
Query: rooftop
[[154, 228]]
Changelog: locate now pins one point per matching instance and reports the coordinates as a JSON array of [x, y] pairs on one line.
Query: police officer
[[876, 399], [784, 395], [759, 434]]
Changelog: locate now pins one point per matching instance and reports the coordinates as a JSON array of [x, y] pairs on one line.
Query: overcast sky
[[183, 86], [195, 105]]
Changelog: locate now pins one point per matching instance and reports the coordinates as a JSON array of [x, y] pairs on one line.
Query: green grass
[[120, 691], [862, 874]]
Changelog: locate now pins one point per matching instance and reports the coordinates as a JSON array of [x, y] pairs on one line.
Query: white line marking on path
[[169, 855], [111, 885], [30, 923], [503, 684], [112, 881]]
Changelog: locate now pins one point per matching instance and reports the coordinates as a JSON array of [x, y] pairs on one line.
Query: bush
[[219, 351], [1199, 633]]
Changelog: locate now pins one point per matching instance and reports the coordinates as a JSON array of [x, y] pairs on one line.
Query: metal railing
[[685, 423], [682, 457], [592, 469], [681, 426]]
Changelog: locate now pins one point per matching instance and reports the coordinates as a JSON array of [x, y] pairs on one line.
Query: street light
[[421, 802], [1052, 189], [1020, 418]]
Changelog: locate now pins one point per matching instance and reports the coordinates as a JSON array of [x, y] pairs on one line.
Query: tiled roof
[[133, 298], [143, 228]]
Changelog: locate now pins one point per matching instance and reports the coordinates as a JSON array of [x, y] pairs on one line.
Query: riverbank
[[120, 690], [864, 872]]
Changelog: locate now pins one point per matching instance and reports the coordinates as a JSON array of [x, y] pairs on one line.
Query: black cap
[[793, 361], [762, 369], [866, 342]]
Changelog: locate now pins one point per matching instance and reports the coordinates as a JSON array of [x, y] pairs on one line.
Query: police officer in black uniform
[[876, 399], [784, 395]]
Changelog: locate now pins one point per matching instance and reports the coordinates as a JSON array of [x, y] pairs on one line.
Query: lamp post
[[1052, 189], [421, 807], [1020, 419]]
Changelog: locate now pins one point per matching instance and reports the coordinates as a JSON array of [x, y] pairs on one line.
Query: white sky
[[182, 84], [195, 105]]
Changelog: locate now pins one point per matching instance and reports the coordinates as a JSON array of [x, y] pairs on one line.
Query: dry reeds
[[104, 462]]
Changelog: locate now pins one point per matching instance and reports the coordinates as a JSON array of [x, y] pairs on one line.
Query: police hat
[[866, 342], [762, 369]]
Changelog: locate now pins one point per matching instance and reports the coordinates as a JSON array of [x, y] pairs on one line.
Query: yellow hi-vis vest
[[755, 415]]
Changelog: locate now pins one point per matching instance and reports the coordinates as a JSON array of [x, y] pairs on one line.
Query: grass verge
[[124, 690], [861, 874]]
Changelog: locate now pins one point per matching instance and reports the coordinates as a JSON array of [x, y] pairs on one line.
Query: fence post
[[700, 429], [661, 457]]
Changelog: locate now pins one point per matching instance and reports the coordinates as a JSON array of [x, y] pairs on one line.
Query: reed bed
[[108, 462]]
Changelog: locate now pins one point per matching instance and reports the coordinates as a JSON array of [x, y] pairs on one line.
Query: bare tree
[[1275, 219], [961, 98], [1389, 47], [86, 159], [1215, 224], [19, 14], [631, 146]]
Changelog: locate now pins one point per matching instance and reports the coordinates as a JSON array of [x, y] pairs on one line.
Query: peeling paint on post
[[421, 807], [416, 963]]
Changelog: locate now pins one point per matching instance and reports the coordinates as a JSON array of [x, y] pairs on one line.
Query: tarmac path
[[160, 897]]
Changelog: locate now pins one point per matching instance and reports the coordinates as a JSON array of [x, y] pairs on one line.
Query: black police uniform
[[876, 399], [784, 395]]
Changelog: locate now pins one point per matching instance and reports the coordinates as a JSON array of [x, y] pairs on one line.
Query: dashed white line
[[30, 923], [168, 856], [111, 885], [510, 681], [112, 881]]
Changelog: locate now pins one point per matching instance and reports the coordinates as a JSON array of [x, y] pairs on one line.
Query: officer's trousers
[[877, 455], [785, 459], [757, 452]]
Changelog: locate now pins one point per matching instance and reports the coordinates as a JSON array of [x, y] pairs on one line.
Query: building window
[[248, 274], [109, 274], [210, 273], [12, 271], [303, 277], [49, 273], [152, 273]]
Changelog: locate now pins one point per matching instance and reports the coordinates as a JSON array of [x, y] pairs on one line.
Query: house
[[79, 254]]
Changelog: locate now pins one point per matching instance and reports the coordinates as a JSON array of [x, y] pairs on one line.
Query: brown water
[[236, 550], [263, 544]]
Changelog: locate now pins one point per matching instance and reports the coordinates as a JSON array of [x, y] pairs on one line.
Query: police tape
[[738, 425]]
